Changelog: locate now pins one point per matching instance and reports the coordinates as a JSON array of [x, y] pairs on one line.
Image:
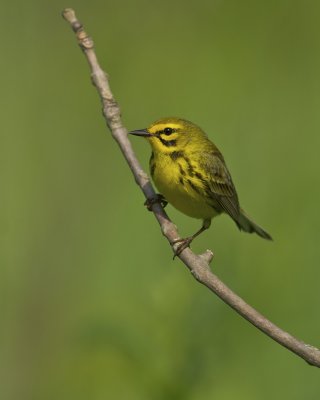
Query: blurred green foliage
[[93, 307]]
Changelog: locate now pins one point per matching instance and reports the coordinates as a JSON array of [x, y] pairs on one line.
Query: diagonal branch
[[197, 264]]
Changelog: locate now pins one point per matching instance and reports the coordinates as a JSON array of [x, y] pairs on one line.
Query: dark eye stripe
[[168, 143], [166, 131]]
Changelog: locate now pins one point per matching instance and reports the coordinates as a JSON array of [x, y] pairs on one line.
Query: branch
[[197, 264]]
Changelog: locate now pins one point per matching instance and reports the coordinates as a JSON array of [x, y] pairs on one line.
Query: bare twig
[[197, 264]]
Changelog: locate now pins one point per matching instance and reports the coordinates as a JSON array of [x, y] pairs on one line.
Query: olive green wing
[[220, 189]]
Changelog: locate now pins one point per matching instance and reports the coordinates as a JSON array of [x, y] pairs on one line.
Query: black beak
[[140, 132]]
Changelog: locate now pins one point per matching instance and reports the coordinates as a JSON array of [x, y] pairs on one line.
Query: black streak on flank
[[181, 170], [190, 167], [194, 187], [181, 181], [168, 143], [152, 168], [201, 179], [176, 154], [152, 165]]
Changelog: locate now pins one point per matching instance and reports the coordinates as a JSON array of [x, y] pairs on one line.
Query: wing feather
[[219, 186]]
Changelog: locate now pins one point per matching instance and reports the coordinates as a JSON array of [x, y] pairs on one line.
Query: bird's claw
[[184, 243], [159, 198]]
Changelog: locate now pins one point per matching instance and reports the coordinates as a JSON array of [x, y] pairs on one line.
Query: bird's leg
[[184, 243], [159, 198]]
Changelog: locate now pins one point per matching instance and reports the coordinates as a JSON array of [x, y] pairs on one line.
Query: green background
[[92, 305]]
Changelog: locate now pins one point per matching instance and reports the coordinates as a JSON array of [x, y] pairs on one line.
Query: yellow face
[[171, 134], [164, 136]]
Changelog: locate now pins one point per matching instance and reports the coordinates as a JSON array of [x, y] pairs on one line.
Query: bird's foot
[[159, 198], [183, 244]]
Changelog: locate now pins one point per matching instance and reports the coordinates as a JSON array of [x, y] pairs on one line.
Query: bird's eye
[[168, 131]]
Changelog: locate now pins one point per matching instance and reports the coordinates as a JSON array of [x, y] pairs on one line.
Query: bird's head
[[172, 134]]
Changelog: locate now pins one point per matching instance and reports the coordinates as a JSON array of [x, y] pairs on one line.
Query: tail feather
[[245, 224]]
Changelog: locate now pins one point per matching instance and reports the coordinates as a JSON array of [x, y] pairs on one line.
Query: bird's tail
[[245, 224]]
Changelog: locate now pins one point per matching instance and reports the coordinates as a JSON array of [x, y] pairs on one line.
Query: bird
[[191, 174]]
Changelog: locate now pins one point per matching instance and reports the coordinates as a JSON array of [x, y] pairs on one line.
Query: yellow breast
[[180, 181]]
